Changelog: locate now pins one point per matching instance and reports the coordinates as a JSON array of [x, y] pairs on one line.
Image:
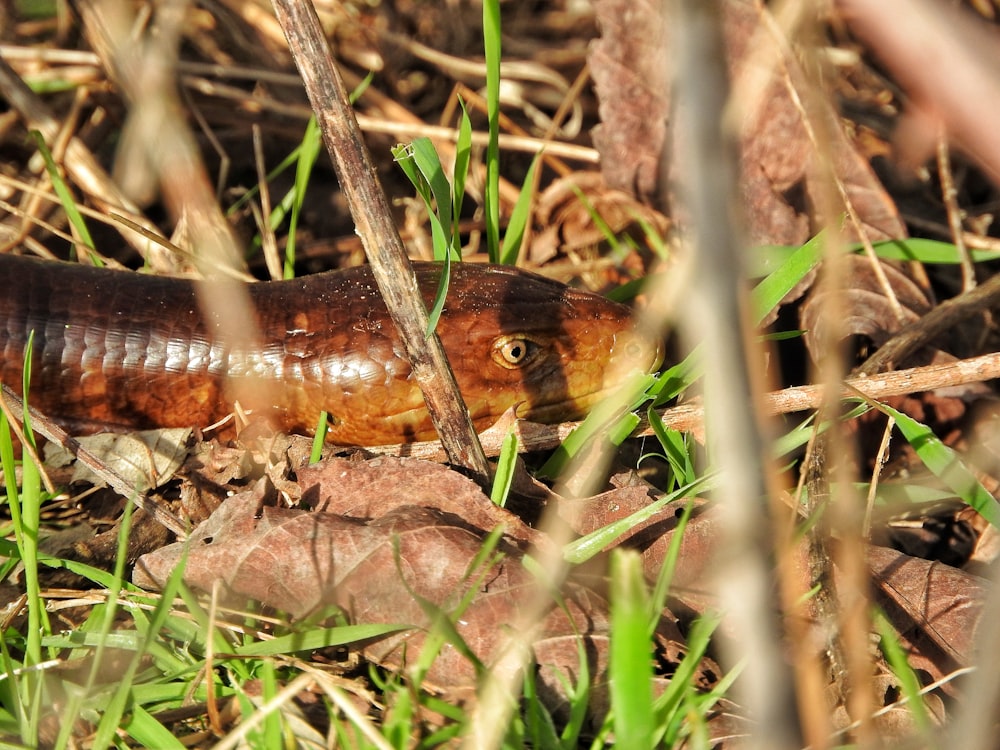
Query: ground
[[851, 189]]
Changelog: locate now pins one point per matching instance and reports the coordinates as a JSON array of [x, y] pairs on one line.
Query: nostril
[[631, 354], [641, 351]]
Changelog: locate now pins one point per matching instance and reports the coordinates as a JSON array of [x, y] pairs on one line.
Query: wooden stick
[[381, 241]]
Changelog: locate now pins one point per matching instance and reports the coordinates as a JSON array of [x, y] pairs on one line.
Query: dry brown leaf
[[782, 179], [782, 167], [147, 458], [632, 84], [379, 571], [866, 310], [946, 60], [936, 609], [371, 489], [945, 531], [692, 583], [895, 718]]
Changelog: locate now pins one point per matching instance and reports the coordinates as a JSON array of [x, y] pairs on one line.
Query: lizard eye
[[513, 352]]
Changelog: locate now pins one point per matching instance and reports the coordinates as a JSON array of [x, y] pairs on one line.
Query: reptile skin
[[123, 350]]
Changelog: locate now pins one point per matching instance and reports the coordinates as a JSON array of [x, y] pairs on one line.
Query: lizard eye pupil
[[513, 351]]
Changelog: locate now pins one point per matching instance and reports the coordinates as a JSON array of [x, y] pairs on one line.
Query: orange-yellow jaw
[[514, 340]]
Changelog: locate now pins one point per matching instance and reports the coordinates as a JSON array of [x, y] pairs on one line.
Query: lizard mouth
[[631, 355]]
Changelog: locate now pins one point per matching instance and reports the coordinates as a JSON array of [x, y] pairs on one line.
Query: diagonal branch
[[381, 241]]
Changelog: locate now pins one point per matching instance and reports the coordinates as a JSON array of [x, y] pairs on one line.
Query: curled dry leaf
[[894, 720], [909, 36], [784, 174], [692, 584], [947, 531], [861, 308], [936, 609], [865, 309]]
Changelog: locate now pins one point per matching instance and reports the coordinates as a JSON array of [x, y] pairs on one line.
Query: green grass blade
[[900, 494], [152, 628], [765, 258], [631, 658], [114, 710], [65, 196], [403, 155], [582, 549], [670, 701], [102, 578], [31, 499], [437, 307], [506, 463], [945, 464], [491, 40], [610, 420], [421, 165], [317, 638], [11, 692], [270, 735], [895, 655], [579, 697], [677, 449], [308, 154], [628, 291], [658, 598], [319, 439], [279, 211], [429, 164], [148, 732], [696, 706], [443, 627], [463, 153], [674, 380], [771, 290], [800, 435], [397, 720], [539, 729], [929, 251], [600, 223], [518, 221], [24, 505]]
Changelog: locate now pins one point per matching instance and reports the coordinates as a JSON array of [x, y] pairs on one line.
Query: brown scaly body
[[115, 349]]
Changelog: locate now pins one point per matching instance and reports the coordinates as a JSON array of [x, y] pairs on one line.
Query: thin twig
[[949, 195], [375, 226]]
